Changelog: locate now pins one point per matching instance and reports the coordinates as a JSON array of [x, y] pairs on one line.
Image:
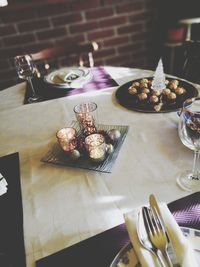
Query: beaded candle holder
[[86, 115], [96, 147], [67, 138]]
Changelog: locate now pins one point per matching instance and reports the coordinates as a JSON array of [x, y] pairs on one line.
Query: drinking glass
[[189, 133], [26, 69], [86, 115]]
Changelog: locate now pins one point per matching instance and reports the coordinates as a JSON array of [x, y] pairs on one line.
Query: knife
[[155, 208]]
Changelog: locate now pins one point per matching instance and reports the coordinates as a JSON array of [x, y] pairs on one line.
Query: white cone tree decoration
[[158, 82]]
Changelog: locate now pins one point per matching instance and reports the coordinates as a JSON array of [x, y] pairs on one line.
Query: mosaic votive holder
[[67, 138], [86, 115], [96, 147]]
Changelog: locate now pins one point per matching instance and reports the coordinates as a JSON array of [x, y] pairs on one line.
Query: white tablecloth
[[63, 205]]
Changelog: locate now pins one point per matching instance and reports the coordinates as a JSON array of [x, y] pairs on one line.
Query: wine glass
[[26, 69], [189, 133]]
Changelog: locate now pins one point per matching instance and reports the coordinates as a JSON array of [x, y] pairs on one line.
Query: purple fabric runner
[[100, 80], [100, 250]]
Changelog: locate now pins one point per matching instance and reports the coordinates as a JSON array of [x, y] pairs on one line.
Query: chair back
[[65, 55], [191, 66]]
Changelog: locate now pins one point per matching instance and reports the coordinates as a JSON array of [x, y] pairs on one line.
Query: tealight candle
[[96, 146], [67, 138], [86, 116]]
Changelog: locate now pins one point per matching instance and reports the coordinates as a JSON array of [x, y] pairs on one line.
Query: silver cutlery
[[157, 236], [156, 210], [144, 238]]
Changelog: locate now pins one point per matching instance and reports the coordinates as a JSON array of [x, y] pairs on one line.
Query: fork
[[157, 235], [144, 239]]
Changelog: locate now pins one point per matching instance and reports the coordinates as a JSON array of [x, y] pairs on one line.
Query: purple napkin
[[12, 251], [100, 80], [100, 250]]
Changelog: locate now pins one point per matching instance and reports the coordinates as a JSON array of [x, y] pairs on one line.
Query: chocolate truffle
[[166, 91], [132, 90], [171, 96], [142, 96], [180, 91], [155, 92], [154, 99], [135, 84]]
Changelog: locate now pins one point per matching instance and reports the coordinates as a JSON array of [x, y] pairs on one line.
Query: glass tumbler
[[96, 147], [86, 115], [67, 138]]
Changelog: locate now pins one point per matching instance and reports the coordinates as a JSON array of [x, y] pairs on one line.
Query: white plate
[[127, 258], [68, 77]]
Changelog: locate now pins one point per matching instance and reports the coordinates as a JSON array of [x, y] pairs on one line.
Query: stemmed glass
[[26, 69], [189, 133]]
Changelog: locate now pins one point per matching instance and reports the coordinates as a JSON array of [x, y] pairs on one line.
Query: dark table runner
[[100, 250], [100, 80], [12, 251]]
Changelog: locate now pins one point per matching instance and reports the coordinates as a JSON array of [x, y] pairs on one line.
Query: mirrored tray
[[127, 257], [132, 102], [57, 156]]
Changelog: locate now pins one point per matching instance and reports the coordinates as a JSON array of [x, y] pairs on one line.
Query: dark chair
[[191, 66], [65, 55]]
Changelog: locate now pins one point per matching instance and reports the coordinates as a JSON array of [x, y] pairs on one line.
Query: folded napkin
[[183, 249]]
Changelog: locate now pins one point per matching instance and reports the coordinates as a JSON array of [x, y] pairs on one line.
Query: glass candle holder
[[86, 115], [96, 147], [67, 139]]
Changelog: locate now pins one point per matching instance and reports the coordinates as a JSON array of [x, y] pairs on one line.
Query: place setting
[[65, 81], [157, 94], [86, 143], [152, 235]]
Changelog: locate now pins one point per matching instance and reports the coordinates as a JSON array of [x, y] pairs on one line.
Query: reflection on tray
[[138, 95]]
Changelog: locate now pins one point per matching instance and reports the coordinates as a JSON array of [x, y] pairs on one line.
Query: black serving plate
[[131, 102]]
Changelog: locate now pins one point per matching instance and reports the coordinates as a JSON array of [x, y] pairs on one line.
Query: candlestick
[[86, 115], [96, 146], [67, 139]]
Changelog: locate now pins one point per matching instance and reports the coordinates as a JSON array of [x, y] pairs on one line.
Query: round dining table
[[63, 205]]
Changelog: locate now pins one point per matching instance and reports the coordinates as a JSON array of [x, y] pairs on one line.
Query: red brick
[[111, 2], [10, 52], [99, 13], [19, 39], [98, 62], [53, 33], [52, 10], [130, 47], [7, 30], [113, 21], [33, 25], [72, 39], [85, 4], [66, 19], [17, 16], [32, 48], [105, 53], [140, 16], [115, 41], [100, 34], [83, 27], [117, 59], [129, 7], [130, 28]]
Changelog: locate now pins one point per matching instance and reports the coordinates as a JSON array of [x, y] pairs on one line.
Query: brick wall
[[124, 30]]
